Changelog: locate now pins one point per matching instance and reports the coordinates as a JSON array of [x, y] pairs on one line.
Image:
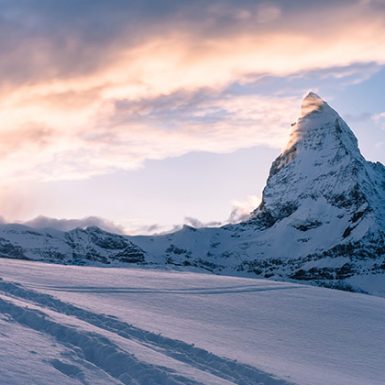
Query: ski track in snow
[[190, 291], [34, 310]]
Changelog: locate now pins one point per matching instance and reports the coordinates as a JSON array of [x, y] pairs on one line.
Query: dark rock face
[[103, 247], [78, 247], [8, 250], [130, 254], [366, 257]]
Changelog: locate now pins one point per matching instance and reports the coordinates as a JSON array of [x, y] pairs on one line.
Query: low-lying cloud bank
[[239, 212], [42, 222]]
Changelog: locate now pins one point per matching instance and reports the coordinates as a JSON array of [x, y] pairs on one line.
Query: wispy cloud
[[194, 222], [242, 209], [124, 133], [379, 119], [91, 86]]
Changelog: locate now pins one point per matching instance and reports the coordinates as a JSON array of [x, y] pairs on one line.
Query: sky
[[139, 116]]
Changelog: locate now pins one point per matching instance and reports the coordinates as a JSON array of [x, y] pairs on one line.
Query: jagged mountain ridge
[[322, 219], [322, 169], [322, 160]]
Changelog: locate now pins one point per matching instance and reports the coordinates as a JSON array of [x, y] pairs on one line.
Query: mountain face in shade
[[321, 220]]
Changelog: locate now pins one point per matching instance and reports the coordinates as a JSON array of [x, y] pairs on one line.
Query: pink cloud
[[60, 117]]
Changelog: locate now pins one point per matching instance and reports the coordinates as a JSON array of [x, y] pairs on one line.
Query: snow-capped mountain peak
[[320, 128], [310, 103], [322, 219], [322, 164]]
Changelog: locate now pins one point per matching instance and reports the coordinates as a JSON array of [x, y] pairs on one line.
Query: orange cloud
[[67, 124]]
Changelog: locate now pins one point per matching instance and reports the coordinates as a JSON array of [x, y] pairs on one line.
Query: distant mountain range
[[321, 220]]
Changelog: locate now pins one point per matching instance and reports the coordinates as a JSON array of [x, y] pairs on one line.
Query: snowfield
[[90, 325]]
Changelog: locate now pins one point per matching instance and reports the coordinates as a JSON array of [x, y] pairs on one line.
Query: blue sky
[[154, 114]]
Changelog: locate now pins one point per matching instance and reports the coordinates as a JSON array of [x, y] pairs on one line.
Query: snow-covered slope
[[89, 325], [321, 220], [323, 208]]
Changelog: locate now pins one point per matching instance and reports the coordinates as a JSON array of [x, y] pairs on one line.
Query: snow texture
[[90, 325]]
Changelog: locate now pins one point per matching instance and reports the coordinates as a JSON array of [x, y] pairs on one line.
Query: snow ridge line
[[96, 349], [230, 370]]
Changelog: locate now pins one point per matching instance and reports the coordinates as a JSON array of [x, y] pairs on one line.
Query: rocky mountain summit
[[324, 204], [321, 220]]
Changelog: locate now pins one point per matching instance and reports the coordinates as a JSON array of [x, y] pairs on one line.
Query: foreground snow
[[88, 325]]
